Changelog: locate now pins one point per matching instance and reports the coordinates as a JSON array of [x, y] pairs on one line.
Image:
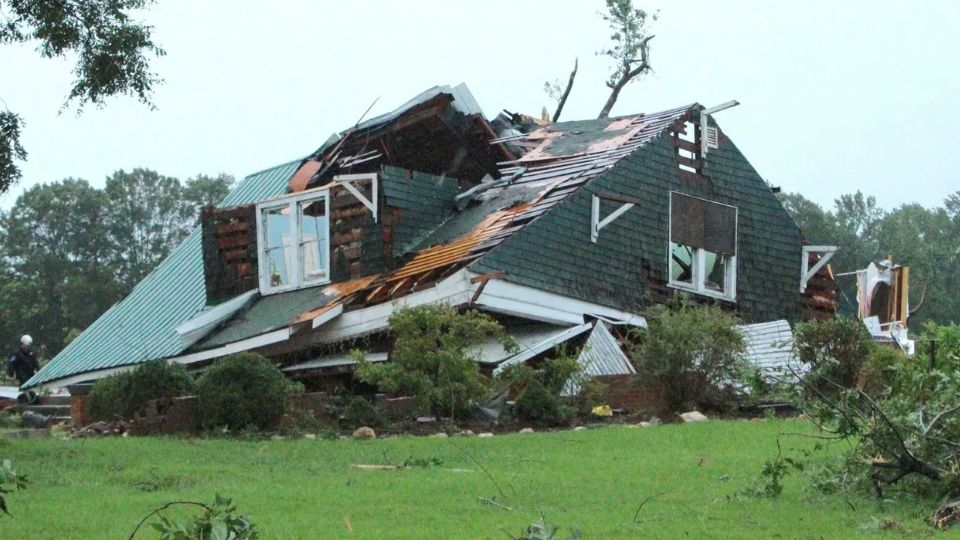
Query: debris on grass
[[493, 502]]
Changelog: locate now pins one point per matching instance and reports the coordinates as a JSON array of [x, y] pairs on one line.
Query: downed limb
[[636, 515], [566, 93], [161, 509], [365, 467], [491, 502]]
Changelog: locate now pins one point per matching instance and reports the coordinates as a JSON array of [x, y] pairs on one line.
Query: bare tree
[[553, 90], [630, 49]]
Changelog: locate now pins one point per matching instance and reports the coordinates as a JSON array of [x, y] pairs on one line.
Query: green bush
[[434, 358], [541, 399], [360, 412], [878, 372], [243, 391], [121, 395], [536, 403], [690, 355], [945, 340], [835, 350]]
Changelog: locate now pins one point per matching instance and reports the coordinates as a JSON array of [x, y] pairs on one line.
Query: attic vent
[[713, 137]]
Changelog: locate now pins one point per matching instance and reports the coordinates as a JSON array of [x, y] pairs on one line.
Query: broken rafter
[[483, 280]]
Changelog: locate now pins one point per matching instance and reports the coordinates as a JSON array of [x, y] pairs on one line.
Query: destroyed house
[[563, 231]]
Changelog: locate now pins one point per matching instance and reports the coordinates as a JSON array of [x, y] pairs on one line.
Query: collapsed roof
[[476, 185]]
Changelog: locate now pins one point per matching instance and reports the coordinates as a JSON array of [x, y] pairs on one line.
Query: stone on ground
[[694, 416], [364, 433]]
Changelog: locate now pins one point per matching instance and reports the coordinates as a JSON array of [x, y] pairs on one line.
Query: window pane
[[279, 247], [681, 263], [314, 233], [716, 271]]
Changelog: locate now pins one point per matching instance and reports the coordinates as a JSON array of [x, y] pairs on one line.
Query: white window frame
[[292, 202], [699, 260]]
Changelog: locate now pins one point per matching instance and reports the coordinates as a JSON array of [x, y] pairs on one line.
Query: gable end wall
[[627, 267]]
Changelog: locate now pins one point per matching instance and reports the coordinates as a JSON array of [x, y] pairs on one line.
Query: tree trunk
[[566, 93], [614, 94]]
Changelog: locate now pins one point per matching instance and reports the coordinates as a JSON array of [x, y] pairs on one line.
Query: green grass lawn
[[99, 488]]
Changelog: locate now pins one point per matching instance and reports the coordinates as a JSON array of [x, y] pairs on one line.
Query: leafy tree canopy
[[68, 251], [111, 51]]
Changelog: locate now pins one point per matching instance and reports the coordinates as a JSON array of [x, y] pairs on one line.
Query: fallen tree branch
[[491, 502], [484, 469], [161, 509], [938, 417], [636, 515]]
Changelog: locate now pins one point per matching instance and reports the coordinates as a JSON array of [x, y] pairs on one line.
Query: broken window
[[278, 249], [703, 246], [313, 240], [294, 242]]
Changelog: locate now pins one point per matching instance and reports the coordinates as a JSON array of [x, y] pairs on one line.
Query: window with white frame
[[703, 246], [294, 241]]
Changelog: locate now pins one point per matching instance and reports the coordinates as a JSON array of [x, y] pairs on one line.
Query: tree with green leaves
[[57, 252], [145, 215], [69, 250], [434, 358], [149, 214], [630, 47], [202, 191], [111, 48]]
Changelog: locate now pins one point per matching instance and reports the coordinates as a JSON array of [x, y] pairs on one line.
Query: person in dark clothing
[[23, 364]]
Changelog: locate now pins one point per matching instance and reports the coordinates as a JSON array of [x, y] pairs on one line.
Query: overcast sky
[[835, 96]]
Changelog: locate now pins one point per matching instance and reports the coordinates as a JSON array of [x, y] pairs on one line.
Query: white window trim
[[699, 262], [292, 202]]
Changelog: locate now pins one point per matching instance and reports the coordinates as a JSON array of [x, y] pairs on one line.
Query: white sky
[[835, 96]]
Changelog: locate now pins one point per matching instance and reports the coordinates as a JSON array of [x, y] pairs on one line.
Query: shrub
[[536, 403], [217, 520], [835, 351], [877, 373], [540, 399], [243, 391], [434, 358], [360, 412], [690, 355], [10, 480], [945, 341], [121, 395]]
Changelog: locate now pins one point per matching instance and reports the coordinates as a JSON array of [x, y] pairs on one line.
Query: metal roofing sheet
[[142, 326], [769, 346], [527, 336], [463, 101], [601, 355], [542, 346], [267, 314]]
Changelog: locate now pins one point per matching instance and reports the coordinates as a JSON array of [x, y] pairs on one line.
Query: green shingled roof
[[141, 326], [267, 313]]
